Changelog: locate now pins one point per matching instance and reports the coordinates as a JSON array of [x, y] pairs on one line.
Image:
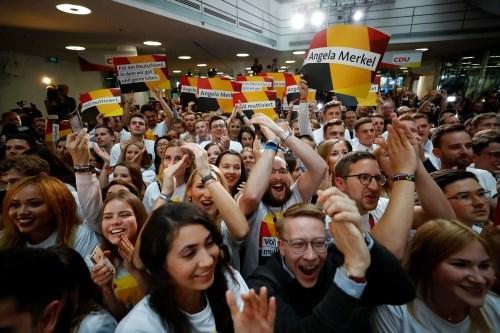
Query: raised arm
[[127, 107], [433, 202], [316, 167], [87, 185], [260, 176], [303, 118], [169, 114], [228, 209], [394, 227]]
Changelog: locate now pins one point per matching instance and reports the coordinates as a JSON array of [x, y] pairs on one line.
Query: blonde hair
[[434, 242], [177, 144], [62, 207]]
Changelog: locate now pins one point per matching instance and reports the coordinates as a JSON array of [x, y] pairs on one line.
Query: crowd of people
[[177, 219]]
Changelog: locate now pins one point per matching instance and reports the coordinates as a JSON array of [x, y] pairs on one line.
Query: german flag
[[257, 102], [216, 93], [344, 58], [142, 73], [292, 87], [188, 90], [279, 83], [104, 101], [255, 83]]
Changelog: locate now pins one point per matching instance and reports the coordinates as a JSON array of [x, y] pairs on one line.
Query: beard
[[270, 200]]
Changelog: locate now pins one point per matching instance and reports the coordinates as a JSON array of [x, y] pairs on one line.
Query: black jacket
[[325, 307]]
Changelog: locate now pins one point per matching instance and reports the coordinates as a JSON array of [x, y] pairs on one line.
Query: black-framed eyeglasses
[[299, 246], [366, 179], [468, 196]]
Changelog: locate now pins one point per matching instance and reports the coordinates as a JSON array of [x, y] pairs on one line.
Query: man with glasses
[[218, 132], [327, 289], [269, 190], [467, 198], [358, 174], [453, 146]]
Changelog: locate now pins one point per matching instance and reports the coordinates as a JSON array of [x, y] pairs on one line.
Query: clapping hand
[[258, 314]]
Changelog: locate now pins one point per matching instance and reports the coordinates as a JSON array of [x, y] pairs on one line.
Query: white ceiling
[[37, 27]]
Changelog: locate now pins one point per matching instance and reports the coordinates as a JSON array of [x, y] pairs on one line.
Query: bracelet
[[284, 135], [164, 197], [82, 169], [271, 145], [404, 176], [82, 166]]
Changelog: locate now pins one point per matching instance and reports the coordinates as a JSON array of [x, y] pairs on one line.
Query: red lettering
[[401, 59]]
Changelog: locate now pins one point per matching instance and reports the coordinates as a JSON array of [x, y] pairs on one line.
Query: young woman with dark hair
[[181, 249], [231, 164]]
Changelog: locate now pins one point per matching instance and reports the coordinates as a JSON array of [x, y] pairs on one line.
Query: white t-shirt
[[233, 145], [485, 179], [396, 318], [98, 322], [86, 240], [143, 319], [262, 240], [153, 192]]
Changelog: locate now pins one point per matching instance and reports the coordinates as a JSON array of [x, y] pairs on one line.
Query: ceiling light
[[423, 49], [283, 67], [403, 68], [467, 57], [248, 68], [46, 80], [202, 65], [220, 73], [281, 71], [290, 62], [299, 52], [358, 15], [151, 43], [298, 21], [184, 57], [317, 18], [242, 55], [176, 71], [74, 48], [73, 9]]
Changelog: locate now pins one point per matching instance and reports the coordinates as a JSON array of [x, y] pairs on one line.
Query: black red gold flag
[[188, 88], [344, 58], [255, 83], [216, 93], [257, 102]]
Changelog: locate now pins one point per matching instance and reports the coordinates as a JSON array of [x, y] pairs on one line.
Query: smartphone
[[75, 121], [98, 255]]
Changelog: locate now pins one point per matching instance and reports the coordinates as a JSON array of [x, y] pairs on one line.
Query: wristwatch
[[207, 177]]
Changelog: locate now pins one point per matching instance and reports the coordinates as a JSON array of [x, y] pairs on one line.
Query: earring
[[190, 199]]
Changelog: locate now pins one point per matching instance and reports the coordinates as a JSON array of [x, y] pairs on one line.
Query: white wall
[[28, 85]]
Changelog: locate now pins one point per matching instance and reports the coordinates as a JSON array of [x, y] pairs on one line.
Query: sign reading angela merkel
[[142, 73], [216, 93], [344, 58]]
